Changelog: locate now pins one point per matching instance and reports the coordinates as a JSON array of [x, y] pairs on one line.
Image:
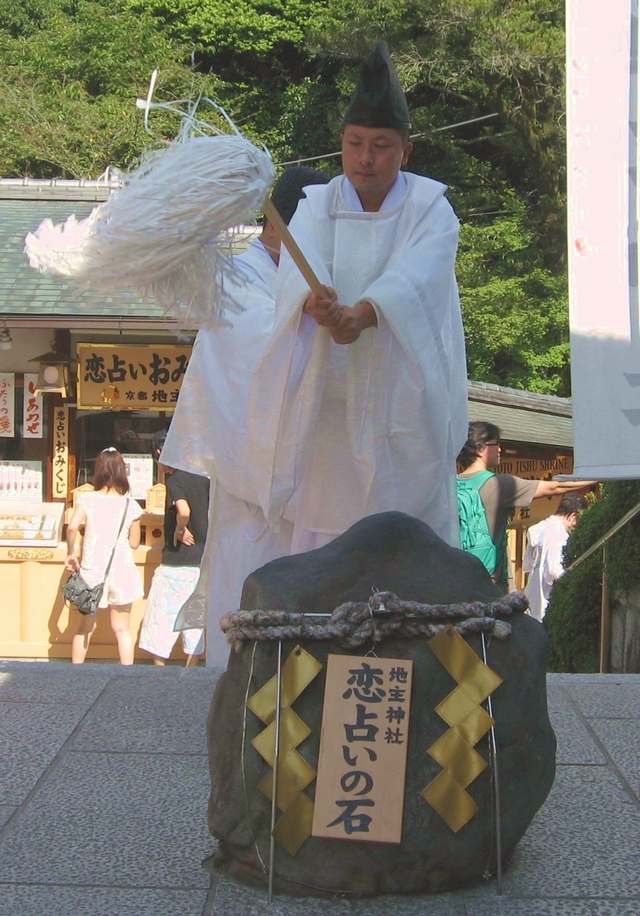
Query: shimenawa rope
[[355, 623]]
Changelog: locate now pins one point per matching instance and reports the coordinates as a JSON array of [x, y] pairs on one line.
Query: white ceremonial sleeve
[[287, 386], [417, 295], [413, 400], [208, 432]]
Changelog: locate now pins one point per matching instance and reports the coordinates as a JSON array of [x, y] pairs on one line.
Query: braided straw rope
[[358, 622]]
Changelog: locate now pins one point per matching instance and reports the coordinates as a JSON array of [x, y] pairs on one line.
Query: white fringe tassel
[[167, 232]]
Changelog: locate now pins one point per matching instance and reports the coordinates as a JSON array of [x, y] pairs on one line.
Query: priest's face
[[371, 160]]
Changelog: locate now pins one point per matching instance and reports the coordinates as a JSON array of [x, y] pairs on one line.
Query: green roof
[[523, 416], [25, 292]]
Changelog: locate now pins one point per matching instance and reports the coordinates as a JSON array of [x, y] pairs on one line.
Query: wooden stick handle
[[291, 245]]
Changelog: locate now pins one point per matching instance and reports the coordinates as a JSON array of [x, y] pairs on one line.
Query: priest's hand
[[354, 319], [323, 307]]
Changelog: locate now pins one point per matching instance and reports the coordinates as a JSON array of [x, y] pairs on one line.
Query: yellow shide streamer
[[468, 721], [294, 773]]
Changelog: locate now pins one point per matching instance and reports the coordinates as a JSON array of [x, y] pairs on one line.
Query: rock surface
[[394, 552]]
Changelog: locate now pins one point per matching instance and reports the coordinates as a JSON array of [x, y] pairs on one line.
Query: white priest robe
[[208, 436], [339, 432], [315, 435]]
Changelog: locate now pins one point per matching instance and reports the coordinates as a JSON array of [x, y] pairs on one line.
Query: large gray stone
[[398, 553]]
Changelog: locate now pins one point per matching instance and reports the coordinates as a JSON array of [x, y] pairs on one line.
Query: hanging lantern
[[53, 373]]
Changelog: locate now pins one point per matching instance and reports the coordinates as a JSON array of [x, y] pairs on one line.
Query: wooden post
[[605, 618], [270, 211]]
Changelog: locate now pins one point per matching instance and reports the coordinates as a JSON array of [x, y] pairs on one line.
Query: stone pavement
[[103, 799]]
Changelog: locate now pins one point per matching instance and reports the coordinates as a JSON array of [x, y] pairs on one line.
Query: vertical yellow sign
[[60, 459]]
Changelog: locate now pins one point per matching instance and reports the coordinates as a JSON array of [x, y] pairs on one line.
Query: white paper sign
[[7, 405], [602, 140], [20, 480], [140, 474], [32, 427]]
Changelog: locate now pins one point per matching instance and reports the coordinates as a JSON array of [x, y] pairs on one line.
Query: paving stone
[[126, 718], [614, 700], [234, 899], [573, 680], [110, 831], [51, 684], [38, 900], [135, 820], [584, 842], [30, 737], [621, 738], [502, 906], [5, 813], [575, 743]]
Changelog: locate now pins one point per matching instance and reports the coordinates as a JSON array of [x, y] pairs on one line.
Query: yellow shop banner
[[131, 377]]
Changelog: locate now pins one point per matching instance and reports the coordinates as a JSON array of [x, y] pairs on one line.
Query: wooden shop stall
[[110, 394]]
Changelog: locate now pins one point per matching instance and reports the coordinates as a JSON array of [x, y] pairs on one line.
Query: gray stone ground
[[103, 799]]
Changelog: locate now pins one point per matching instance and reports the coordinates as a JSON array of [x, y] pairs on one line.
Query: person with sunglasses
[[486, 499]]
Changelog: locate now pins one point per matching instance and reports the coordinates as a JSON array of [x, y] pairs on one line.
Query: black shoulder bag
[[77, 592]]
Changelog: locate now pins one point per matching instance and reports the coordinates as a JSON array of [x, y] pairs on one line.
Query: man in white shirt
[[543, 556]]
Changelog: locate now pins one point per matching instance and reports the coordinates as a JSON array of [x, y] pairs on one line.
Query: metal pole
[[493, 753], [274, 784], [605, 618]]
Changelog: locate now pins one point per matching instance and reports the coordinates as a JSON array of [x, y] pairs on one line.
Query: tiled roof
[[26, 293], [523, 416]]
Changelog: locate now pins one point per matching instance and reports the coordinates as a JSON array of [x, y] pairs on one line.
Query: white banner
[[7, 405], [32, 426], [602, 102]]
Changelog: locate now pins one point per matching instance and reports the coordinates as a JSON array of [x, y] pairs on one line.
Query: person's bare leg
[[193, 661], [159, 662], [120, 614], [82, 638]]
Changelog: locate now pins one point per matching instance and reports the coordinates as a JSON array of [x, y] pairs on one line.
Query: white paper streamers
[[167, 232]]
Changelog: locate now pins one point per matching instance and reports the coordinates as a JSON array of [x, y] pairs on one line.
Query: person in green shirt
[[486, 499]]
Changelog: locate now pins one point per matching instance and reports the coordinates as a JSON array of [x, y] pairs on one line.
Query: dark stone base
[[398, 553]]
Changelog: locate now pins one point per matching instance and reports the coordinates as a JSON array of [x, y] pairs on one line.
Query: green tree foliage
[[573, 616], [70, 76], [284, 69], [515, 309]]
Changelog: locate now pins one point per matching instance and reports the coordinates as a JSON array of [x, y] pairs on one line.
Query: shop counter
[[34, 620]]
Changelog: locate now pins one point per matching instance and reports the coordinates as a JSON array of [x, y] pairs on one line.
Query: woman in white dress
[[101, 512]]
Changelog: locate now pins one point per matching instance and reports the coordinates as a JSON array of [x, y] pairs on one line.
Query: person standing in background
[[486, 499], [185, 532], [102, 512], [543, 556]]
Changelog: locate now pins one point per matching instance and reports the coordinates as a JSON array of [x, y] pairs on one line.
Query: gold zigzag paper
[[468, 721], [294, 773]]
